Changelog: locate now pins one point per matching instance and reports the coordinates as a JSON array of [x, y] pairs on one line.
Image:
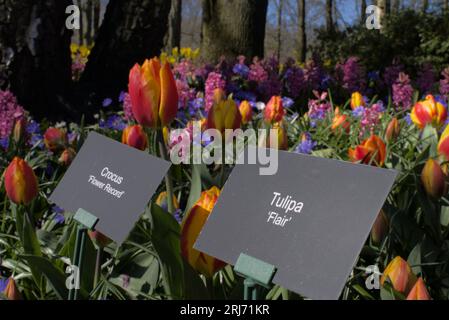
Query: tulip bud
[[357, 100], [419, 291], [380, 228], [190, 229], [99, 239], [20, 182], [370, 151], [400, 275], [434, 179], [428, 112], [393, 130], [11, 290], [219, 95], [67, 157], [246, 111], [161, 201], [274, 111], [19, 132], [135, 136], [55, 139], [278, 136]]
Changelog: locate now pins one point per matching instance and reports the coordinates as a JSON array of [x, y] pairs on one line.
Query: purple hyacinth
[[402, 92], [352, 75], [295, 81], [426, 78], [127, 107], [10, 112], [241, 68], [392, 72], [444, 83], [318, 108], [214, 81]]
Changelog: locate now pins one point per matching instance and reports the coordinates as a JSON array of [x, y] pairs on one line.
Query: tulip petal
[[169, 96]]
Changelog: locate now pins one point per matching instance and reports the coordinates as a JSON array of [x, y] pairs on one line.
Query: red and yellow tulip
[[20, 182], [434, 179], [55, 139], [190, 229], [278, 136], [357, 100], [135, 136], [428, 112], [419, 291], [153, 93], [370, 151], [246, 111], [224, 115], [443, 144], [274, 110], [400, 274]]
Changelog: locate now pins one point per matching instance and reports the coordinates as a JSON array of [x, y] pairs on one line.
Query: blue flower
[[121, 97], [241, 69], [4, 143], [59, 218], [114, 122], [37, 139], [307, 144], [3, 284], [33, 127], [287, 102], [107, 102], [408, 119], [358, 112], [177, 215]]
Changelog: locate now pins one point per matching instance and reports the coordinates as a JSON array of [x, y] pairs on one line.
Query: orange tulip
[[400, 275], [135, 136], [357, 100], [161, 201], [153, 93], [219, 95], [279, 135], [67, 156], [20, 182], [246, 111], [224, 115], [419, 291], [190, 229], [393, 130], [11, 291], [434, 179], [340, 121], [428, 111], [443, 144], [55, 139], [372, 150], [274, 111]]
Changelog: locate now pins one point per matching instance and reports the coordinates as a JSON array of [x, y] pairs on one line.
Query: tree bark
[[302, 38], [174, 25], [35, 55], [382, 4], [131, 31], [329, 18], [233, 27], [395, 5], [363, 12], [80, 31], [425, 6], [89, 22], [279, 29]]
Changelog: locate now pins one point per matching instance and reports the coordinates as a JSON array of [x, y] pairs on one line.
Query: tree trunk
[[35, 54], [279, 29], [329, 18], [174, 25], [233, 27], [89, 22], [425, 6], [131, 31], [382, 4], [395, 5], [302, 38], [80, 32], [363, 12]]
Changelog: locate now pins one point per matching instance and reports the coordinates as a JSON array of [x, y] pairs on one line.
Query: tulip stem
[[97, 266], [168, 181]]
